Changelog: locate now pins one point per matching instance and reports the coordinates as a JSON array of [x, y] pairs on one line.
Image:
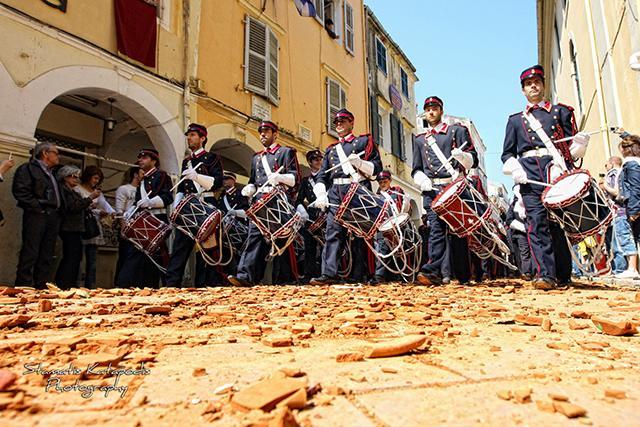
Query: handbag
[[91, 227]]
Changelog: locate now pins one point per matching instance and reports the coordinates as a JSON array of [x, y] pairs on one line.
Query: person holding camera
[[630, 184]]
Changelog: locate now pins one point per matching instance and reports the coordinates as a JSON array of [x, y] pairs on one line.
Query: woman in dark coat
[[72, 226]]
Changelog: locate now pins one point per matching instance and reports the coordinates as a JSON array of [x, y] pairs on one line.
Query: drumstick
[[569, 138], [544, 184], [342, 163], [178, 183], [259, 190], [451, 157]]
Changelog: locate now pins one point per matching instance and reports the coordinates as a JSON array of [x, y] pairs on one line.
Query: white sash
[[226, 203], [198, 186], [143, 190], [537, 127], [265, 165], [431, 141], [345, 164]]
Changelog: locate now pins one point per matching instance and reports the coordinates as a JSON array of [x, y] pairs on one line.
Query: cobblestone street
[[495, 354]]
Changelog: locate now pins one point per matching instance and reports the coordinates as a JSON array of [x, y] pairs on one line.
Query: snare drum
[[197, 219], [237, 232], [462, 209], [363, 212], [318, 228], [274, 216], [146, 232], [576, 202]]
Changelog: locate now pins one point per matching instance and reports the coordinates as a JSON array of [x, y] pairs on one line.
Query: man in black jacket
[[37, 193], [5, 165]]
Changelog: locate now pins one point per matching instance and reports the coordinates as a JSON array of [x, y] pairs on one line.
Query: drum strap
[[431, 141], [347, 167], [143, 191], [226, 203], [392, 202], [539, 130]]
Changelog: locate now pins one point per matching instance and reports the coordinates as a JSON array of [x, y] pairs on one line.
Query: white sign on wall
[[260, 108]]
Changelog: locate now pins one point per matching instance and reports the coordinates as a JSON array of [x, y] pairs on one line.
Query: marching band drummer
[[232, 203], [305, 198], [153, 194], [360, 161], [432, 171], [202, 172], [530, 154], [265, 175], [395, 195]]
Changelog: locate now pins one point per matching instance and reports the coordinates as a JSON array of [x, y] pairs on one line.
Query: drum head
[[448, 192], [566, 188], [394, 221]]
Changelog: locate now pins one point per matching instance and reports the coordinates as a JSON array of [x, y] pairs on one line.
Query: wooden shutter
[[255, 67], [273, 68], [319, 10], [373, 112], [348, 28], [336, 99]]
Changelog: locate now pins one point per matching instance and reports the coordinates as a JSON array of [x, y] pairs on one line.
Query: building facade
[[392, 105], [64, 79], [589, 49]]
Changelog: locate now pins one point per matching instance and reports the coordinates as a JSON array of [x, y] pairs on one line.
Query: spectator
[[630, 184], [90, 180], [5, 165], [37, 193], [330, 27], [125, 199], [72, 226], [625, 254]]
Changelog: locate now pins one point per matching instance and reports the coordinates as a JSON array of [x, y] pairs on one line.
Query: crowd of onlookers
[[63, 201]]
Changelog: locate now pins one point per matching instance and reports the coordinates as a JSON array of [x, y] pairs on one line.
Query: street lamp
[[110, 121], [634, 61]]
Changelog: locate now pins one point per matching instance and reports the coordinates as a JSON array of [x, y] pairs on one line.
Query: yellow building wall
[[307, 56], [576, 27], [94, 21]]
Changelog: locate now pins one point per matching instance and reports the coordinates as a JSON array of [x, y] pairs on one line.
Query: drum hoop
[[559, 205], [179, 206], [447, 202], [262, 201], [213, 218], [288, 227], [318, 223]]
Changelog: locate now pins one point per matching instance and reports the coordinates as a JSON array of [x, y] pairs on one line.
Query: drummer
[[442, 153], [201, 175], [233, 204], [313, 254], [275, 165], [396, 196], [154, 195], [528, 155], [357, 160]]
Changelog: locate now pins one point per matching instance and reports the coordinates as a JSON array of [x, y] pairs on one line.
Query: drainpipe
[[598, 78], [191, 24]]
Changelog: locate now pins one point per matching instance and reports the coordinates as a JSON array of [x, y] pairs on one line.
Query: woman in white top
[[125, 198], [90, 180]]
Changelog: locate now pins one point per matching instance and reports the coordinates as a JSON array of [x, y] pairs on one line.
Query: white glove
[[177, 200], [362, 165], [406, 205], [303, 213], [239, 213], [129, 213], [513, 167], [322, 200], [287, 179], [422, 181], [579, 145], [465, 159], [143, 203], [156, 203], [205, 181], [518, 226], [249, 190], [190, 173]]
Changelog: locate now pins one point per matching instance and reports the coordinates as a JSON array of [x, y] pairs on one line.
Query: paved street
[[495, 354]]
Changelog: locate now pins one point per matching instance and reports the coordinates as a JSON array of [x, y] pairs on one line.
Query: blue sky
[[470, 53]]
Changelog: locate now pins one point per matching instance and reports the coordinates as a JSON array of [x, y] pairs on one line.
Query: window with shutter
[[336, 99], [396, 136], [273, 68], [348, 28], [319, 4], [381, 56], [404, 80], [261, 60]]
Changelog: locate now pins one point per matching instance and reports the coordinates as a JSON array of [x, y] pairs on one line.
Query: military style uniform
[[138, 269], [396, 195], [425, 160], [313, 254], [252, 263], [521, 142], [232, 200], [337, 182], [205, 163]]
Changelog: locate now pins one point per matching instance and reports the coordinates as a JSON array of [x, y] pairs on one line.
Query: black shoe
[[446, 280], [429, 279], [236, 281], [377, 280], [544, 283], [323, 280], [565, 282]]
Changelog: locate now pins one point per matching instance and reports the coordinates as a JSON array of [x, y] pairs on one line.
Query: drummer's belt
[[343, 181], [160, 211], [442, 181], [266, 189], [206, 194], [537, 152]]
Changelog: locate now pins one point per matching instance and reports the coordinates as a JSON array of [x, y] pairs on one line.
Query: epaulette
[[569, 107], [515, 114]]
